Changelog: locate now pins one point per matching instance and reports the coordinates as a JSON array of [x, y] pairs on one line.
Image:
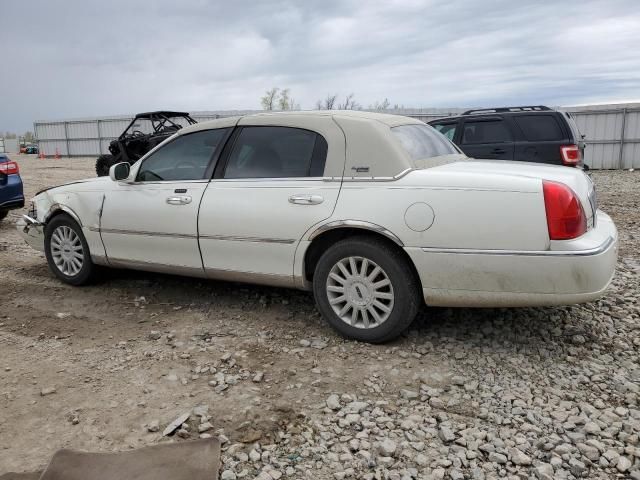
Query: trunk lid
[[574, 178]]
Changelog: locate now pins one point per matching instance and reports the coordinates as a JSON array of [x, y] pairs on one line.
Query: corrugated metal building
[[612, 132]]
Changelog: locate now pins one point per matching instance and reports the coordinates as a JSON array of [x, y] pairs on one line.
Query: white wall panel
[[48, 147], [84, 147], [601, 124], [49, 131], [82, 129]]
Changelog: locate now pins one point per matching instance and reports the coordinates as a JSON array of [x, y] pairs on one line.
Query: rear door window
[[537, 128], [485, 131], [277, 152]]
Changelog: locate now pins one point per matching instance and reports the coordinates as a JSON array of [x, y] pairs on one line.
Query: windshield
[[423, 141]]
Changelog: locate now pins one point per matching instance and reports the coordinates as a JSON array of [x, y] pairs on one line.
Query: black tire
[[405, 288], [3, 214], [103, 164], [86, 273]]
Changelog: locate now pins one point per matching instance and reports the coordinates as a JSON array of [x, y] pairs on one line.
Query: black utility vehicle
[[144, 132], [528, 134]]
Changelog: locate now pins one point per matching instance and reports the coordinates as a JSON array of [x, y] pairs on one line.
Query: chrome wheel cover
[[66, 251], [360, 292]]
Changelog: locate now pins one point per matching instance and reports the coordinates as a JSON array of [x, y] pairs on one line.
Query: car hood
[[97, 181]]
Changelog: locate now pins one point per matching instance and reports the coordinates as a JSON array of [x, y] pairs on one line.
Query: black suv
[[528, 134]]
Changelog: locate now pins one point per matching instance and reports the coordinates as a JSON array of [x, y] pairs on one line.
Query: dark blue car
[[11, 195]]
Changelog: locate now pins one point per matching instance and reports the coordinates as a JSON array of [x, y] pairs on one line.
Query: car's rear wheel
[[67, 251], [366, 289], [103, 164]]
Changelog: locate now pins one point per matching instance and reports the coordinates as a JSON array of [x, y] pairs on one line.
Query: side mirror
[[119, 171]]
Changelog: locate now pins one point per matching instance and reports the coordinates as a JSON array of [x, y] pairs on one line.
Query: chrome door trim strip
[[523, 253], [231, 238], [355, 224], [235, 238], [141, 232]]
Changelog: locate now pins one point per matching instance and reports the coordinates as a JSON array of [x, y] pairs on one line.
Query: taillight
[[565, 215], [570, 155], [9, 168]]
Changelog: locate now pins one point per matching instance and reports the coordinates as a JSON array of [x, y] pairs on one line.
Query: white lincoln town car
[[376, 214]]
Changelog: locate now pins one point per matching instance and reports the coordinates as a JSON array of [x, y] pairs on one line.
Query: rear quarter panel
[[470, 211]]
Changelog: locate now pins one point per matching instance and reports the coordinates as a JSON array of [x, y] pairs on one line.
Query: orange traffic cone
[[41, 156], [57, 156]]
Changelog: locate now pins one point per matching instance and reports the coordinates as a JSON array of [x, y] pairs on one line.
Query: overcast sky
[[77, 58]]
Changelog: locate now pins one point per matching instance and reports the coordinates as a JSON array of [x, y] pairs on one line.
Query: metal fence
[[612, 132], [9, 145]]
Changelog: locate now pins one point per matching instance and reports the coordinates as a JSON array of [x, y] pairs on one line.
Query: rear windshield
[[539, 127], [423, 141]]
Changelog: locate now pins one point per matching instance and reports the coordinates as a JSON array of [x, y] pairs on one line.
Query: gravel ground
[[544, 393]]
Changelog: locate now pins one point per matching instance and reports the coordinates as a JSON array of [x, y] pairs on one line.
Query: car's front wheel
[[3, 214], [67, 251], [366, 289]]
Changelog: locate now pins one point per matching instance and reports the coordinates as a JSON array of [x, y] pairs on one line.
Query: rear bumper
[[12, 204], [11, 194], [574, 272], [32, 232]]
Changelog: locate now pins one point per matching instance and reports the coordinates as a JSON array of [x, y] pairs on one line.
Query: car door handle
[[179, 200], [305, 199], [498, 151]]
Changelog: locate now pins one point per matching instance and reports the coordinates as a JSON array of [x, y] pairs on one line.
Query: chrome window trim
[[161, 182], [269, 179], [369, 179], [355, 224], [523, 253]]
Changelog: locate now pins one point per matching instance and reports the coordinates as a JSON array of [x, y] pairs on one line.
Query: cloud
[[79, 58]]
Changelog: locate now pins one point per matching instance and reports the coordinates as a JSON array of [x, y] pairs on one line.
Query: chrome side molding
[[355, 224], [525, 253]]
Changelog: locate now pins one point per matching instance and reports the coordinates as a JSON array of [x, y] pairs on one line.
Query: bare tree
[[29, 137], [284, 101], [328, 103], [293, 105], [349, 103], [269, 99], [384, 105]]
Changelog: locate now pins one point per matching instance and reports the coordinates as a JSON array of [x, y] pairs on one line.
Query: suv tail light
[[9, 168], [565, 215], [570, 155]]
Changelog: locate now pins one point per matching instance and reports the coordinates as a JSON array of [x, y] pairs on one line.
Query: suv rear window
[[447, 129], [423, 141], [539, 127]]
